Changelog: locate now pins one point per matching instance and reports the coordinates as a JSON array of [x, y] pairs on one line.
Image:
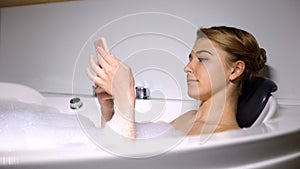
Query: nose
[[187, 68]]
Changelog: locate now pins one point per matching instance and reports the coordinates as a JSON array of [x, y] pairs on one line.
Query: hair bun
[[261, 59]]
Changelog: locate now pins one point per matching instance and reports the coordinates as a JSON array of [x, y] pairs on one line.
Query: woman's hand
[[116, 80], [112, 75], [106, 104]]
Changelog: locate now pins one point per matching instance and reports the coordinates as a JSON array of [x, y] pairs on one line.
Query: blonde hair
[[240, 45]]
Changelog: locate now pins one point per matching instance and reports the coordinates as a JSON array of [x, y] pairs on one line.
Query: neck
[[218, 112]]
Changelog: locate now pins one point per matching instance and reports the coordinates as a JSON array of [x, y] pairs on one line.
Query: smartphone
[[101, 42]]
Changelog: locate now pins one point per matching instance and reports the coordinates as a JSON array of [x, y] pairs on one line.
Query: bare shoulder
[[185, 118], [185, 122]]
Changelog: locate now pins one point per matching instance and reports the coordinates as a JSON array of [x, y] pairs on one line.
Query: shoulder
[[190, 115]]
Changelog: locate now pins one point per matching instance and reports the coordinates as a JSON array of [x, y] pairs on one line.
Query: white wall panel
[[40, 44]]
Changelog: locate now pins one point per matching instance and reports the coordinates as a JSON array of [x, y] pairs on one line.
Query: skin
[[114, 80], [210, 79]]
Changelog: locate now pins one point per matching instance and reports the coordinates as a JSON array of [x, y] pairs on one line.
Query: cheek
[[202, 90], [204, 76], [217, 77]]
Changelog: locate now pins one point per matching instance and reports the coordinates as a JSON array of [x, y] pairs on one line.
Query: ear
[[237, 69]]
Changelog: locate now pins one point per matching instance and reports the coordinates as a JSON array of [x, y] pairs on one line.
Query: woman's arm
[[116, 79]]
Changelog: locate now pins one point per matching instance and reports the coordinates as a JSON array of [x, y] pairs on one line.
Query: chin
[[194, 95], [198, 96]]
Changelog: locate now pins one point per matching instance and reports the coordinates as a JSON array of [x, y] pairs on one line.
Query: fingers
[[100, 90], [93, 78], [100, 75], [103, 96], [105, 71], [101, 54], [96, 68], [106, 58], [101, 42], [104, 43]]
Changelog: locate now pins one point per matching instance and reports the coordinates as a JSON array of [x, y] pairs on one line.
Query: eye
[[190, 57], [202, 59]]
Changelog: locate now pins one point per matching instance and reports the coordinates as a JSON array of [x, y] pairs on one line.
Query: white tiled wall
[[47, 46]]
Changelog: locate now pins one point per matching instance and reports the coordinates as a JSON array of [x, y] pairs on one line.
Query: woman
[[223, 60]]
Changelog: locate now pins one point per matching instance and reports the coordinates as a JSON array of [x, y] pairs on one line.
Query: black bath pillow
[[253, 100]]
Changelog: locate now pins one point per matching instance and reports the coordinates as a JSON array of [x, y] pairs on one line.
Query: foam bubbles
[[29, 126]]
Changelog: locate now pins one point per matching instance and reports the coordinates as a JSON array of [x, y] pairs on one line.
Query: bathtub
[[274, 144]]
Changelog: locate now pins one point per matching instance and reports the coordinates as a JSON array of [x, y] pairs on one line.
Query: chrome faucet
[[142, 92], [94, 91]]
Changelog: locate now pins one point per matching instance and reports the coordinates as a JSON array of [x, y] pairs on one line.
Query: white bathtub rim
[[95, 152], [220, 142], [21, 92], [270, 163]]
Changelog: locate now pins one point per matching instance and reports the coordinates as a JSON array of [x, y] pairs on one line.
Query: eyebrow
[[203, 51]]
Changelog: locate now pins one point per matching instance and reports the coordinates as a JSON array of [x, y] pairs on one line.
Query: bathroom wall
[[47, 46]]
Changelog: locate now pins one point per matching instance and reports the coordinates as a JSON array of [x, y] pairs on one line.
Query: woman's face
[[207, 70]]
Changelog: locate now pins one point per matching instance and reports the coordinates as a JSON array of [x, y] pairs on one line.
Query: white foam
[[145, 130], [27, 126], [31, 126]]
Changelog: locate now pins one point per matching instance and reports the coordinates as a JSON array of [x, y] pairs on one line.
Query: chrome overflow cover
[[75, 103]]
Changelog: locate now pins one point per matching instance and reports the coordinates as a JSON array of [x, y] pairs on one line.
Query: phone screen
[[101, 43]]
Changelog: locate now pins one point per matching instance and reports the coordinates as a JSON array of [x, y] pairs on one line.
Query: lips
[[192, 81]]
